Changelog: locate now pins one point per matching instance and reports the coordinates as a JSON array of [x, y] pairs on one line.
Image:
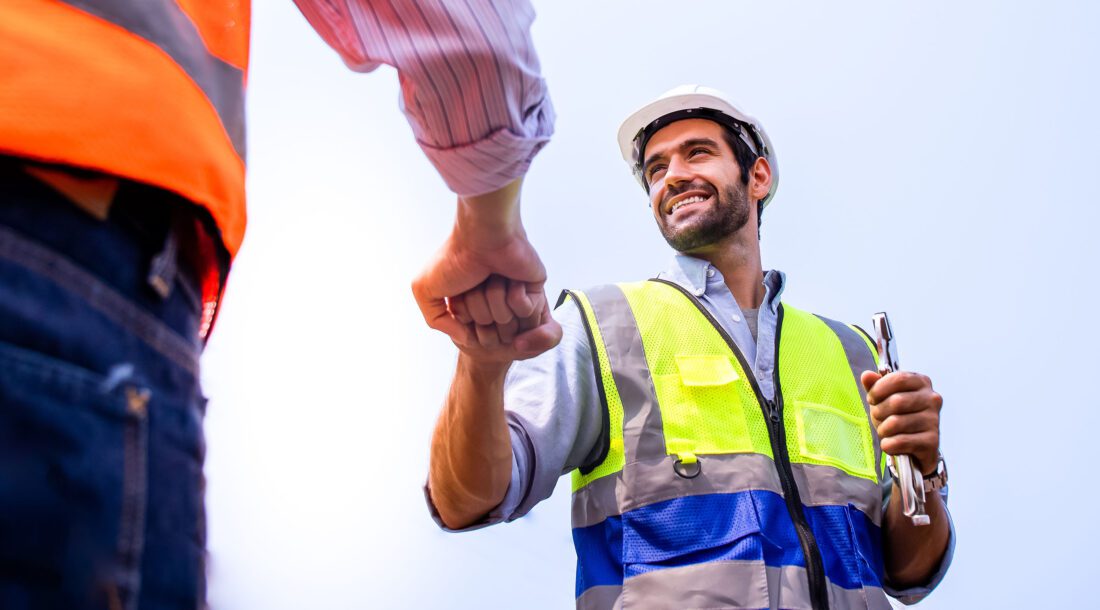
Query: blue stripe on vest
[[601, 562], [716, 527], [851, 545]]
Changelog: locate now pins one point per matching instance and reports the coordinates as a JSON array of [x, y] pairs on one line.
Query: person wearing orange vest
[[122, 206]]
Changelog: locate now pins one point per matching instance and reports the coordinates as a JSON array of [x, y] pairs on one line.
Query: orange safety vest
[[148, 90]]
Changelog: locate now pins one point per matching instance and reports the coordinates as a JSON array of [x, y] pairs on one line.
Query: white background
[[937, 161]]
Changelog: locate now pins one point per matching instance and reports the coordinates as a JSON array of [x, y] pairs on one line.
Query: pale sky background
[[937, 161]]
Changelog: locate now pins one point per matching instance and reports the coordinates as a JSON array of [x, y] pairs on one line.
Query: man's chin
[[688, 243]]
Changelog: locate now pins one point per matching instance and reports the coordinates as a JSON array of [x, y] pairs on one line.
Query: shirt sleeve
[[471, 86], [554, 416]]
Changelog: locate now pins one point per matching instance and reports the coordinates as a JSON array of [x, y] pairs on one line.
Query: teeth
[[683, 202]]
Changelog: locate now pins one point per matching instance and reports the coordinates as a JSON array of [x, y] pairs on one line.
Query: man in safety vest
[[727, 450], [122, 205]]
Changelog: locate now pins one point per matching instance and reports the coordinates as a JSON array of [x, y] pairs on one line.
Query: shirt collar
[[691, 274]]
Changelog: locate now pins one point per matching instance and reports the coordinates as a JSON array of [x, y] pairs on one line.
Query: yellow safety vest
[[710, 495]]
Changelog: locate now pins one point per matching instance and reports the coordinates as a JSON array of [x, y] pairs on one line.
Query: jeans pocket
[[73, 447]]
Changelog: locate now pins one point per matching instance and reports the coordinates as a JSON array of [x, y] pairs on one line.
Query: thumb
[[868, 379], [437, 315]]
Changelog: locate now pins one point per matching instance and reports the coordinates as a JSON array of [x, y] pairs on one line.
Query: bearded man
[[727, 450]]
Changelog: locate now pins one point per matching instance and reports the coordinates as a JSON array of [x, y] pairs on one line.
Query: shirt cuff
[[913, 595], [485, 165], [503, 512]]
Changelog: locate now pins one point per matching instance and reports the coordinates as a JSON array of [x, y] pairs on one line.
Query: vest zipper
[[815, 567], [773, 413]]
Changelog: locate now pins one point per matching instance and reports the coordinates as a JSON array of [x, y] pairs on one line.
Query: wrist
[[491, 218], [485, 373]]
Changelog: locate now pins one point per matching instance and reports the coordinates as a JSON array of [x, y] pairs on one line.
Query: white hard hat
[[693, 101]]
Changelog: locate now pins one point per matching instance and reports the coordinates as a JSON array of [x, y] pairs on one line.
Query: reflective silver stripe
[[859, 359], [597, 501], [164, 24], [718, 584], [655, 481], [824, 485], [726, 584], [605, 597], [643, 434], [790, 589]]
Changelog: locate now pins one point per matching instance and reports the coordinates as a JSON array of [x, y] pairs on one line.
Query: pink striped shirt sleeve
[[470, 80]]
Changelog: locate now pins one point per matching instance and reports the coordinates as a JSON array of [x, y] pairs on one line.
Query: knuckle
[[886, 429]]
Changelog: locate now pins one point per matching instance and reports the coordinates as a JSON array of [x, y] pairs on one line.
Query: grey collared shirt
[[554, 410]]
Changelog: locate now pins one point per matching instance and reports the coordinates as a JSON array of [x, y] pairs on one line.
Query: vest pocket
[[830, 436], [696, 396], [694, 552]]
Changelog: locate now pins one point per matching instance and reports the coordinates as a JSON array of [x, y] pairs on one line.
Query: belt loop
[[162, 269]]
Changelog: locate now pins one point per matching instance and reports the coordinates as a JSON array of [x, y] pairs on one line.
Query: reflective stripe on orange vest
[[149, 90]]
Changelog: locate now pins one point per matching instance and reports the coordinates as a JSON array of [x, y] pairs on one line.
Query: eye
[[698, 151], [654, 170]]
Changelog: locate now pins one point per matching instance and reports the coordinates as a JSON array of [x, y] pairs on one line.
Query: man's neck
[[738, 260]]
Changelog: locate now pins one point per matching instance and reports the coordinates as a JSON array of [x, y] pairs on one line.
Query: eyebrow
[[685, 144]]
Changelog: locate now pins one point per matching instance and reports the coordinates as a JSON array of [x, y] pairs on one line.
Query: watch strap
[[938, 479]]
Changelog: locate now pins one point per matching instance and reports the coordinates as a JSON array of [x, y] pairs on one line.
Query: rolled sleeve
[[471, 86]]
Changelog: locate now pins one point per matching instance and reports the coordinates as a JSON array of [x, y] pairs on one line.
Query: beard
[[727, 216]]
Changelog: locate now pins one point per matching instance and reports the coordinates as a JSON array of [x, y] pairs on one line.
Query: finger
[[900, 381], [496, 295], [459, 309], [478, 306], [438, 317], [868, 379], [508, 330], [907, 402], [487, 335], [538, 316], [539, 339], [460, 334], [913, 423], [519, 301], [924, 447]]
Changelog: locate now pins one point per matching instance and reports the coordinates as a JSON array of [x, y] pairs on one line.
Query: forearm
[[914, 553], [471, 455]]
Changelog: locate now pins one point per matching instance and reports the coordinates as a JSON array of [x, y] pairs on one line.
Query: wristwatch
[[932, 482], [938, 479]]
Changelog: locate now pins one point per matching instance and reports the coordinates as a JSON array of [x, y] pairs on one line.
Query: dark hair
[[745, 160]]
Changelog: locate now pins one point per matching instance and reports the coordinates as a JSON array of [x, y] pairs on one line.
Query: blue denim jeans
[[101, 442]]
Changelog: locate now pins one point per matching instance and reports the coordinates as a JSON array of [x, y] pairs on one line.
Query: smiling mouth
[[687, 201]]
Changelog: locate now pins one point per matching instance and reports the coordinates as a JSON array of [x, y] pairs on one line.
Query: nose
[[678, 171]]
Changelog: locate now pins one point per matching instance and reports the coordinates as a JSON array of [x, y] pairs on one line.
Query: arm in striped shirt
[[470, 81]]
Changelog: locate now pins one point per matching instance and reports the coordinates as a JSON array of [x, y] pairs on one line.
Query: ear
[[760, 179]]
